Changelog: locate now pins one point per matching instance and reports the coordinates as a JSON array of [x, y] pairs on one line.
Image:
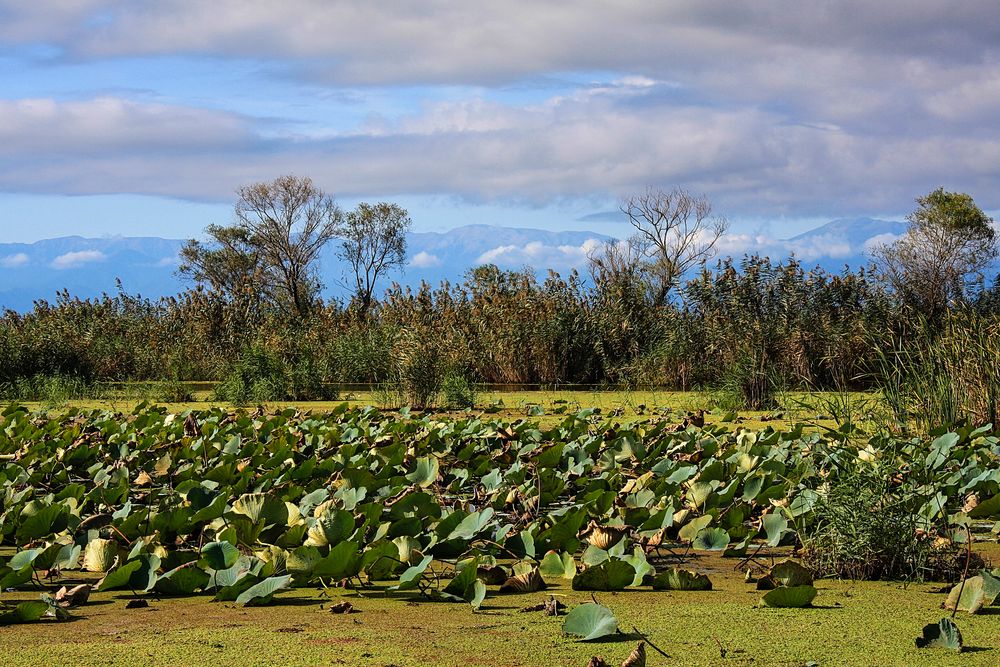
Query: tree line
[[656, 309]]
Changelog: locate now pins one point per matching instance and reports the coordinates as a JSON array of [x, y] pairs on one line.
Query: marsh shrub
[[868, 524], [257, 376], [457, 391]]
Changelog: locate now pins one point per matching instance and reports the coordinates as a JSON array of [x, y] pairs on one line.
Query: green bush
[[257, 376], [868, 525], [457, 391], [48, 389]]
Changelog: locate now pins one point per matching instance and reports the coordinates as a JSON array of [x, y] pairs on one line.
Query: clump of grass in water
[[867, 525]]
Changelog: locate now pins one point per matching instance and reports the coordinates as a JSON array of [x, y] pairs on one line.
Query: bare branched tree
[[273, 247], [675, 231], [373, 242], [949, 243]]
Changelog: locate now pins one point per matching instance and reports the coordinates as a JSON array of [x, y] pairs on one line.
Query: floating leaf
[[25, 612], [613, 574], [263, 592], [411, 576], [558, 565], [775, 526], [590, 621], [183, 580], [943, 634], [219, 555], [425, 473], [790, 596], [342, 562], [791, 573], [691, 529], [676, 579], [978, 592], [711, 539]]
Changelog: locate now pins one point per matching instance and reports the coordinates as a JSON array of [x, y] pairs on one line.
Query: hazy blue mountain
[[87, 266]]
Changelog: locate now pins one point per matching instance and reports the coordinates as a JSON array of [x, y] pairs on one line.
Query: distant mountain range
[[148, 266]]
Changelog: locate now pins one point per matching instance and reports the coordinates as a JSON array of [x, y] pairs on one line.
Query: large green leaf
[[183, 580], [262, 509], [977, 592], [677, 579], [790, 596], [557, 565], [342, 562], [330, 529], [471, 525], [691, 529], [775, 526], [464, 585], [41, 523], [262, 592], [411, 576], [25, 612], [590, 621], [943, 634], [711, 539], [791, 573], [138, 574], [219, 555], [613, 574], [380, 561], [425, 473]]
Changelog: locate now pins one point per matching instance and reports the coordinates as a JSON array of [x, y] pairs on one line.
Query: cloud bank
[[769, 107], [74, 260]]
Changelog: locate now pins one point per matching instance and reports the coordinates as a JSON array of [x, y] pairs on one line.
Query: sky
[[143, 118]]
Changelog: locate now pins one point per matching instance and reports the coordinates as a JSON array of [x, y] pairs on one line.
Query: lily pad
[[613, 574], [790, 596], [943, 634], [262, 593], [676, 579], [590, 621], [558, 565]]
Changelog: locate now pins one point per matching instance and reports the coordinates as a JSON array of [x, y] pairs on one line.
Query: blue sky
[[143, 118]]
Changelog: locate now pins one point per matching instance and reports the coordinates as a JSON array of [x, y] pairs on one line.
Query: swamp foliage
[[243, 505]]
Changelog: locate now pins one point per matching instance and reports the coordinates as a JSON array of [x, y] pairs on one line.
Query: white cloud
[[848, 106], [880, 240], [748, 161], [539, 255], [173, 260], [425, 260], [14, 261], [72, 260]]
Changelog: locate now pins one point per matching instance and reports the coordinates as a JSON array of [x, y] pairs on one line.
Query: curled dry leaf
[[343, 608], [529, 582], [73, 597], [971, 502], [143, 479], [597, 661], [605, 537], [637, 658]]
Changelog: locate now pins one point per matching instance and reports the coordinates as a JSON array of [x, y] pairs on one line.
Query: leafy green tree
[[373, 242], [935, 266], [272, 251]]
